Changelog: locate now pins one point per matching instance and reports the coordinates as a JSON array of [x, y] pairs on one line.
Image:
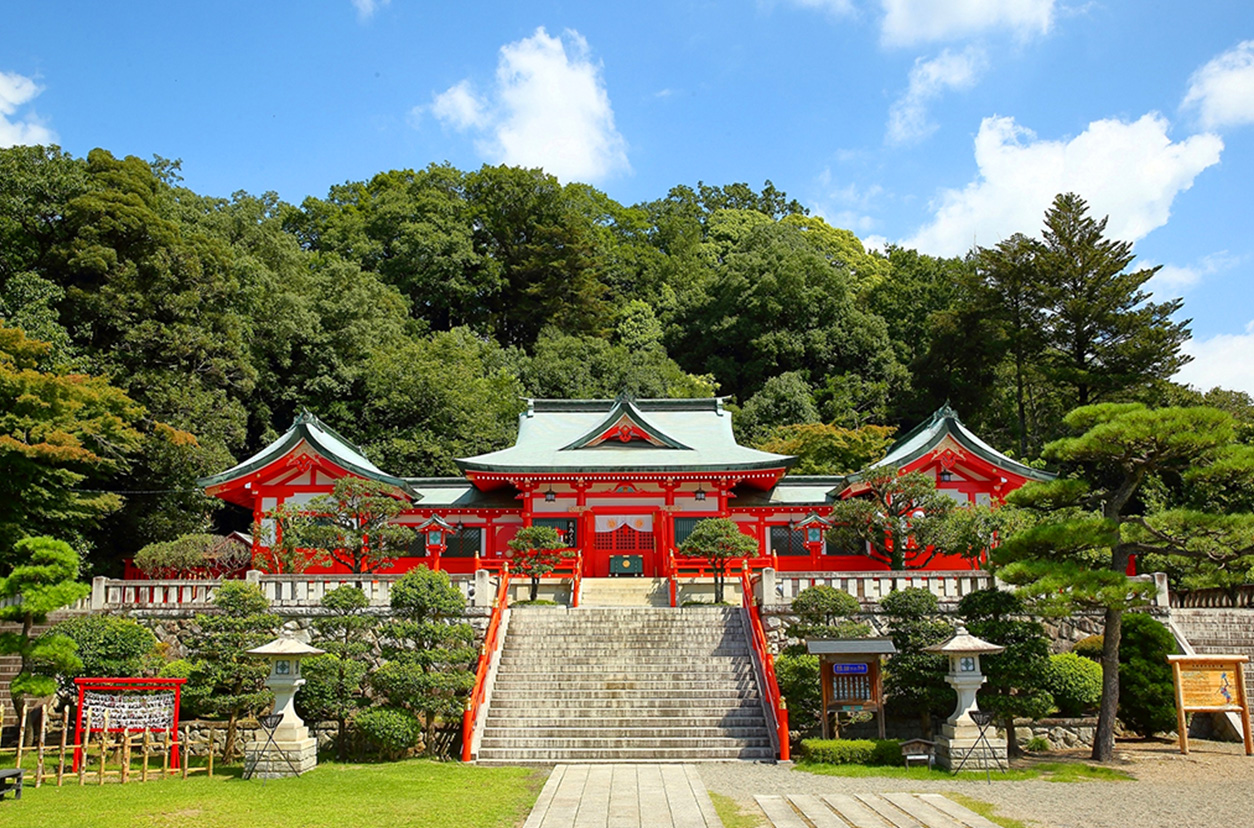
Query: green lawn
[[412, 793], [1048, 771]]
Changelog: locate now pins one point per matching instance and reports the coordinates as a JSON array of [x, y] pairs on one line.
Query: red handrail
[[576, 579], [775, 701], [491, 640], [672, 570]]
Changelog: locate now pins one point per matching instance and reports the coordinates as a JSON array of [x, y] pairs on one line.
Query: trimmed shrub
[[108, 645], [1147, 696], [797, 674], [182, 668], [390, 732], [875, 752], [1074, 682], [1090, 648]]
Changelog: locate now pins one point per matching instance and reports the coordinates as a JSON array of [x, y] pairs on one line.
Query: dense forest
[[181, 332]]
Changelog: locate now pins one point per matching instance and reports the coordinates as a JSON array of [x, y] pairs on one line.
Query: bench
[[11, 780]]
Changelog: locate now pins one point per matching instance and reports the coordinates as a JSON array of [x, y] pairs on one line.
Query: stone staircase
[[624, 592], [625, 685]]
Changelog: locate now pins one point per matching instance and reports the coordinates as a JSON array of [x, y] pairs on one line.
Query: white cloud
[[367, 8], [1129, 171], [1223, 360], [907, 118], [460, 107], [1222, 91], [549, 108], [1172, 280], [849, 206], [910, 22], [16, 91]]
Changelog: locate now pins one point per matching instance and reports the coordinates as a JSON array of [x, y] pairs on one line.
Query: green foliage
[[224, 680], [108, 645], [335, 683], [913, 679], [428, 655], [895, 521], [1074, 682], [1014, 685], [1089, 647], [352, 526], [194, 555], [828, 449], [825, 612], [785, 399], [536, 551], [1037, 744], [43, 583], [797, 674], [874, 752], [390, 732], [719, 541], [1147, 696], [189, 708], [57, 428]]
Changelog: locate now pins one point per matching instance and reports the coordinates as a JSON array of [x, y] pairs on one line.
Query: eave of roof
[[927, 435], [322, 439]]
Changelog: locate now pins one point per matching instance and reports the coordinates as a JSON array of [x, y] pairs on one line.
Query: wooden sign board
[[1211, 684], [850, 686]]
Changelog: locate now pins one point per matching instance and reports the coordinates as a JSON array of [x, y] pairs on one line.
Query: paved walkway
[[890, 810], [624, 796]]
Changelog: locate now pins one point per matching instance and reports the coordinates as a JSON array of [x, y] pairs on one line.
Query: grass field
[[412, 793], [1047, 771]]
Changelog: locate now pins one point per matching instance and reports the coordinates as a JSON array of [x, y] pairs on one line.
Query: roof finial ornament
[[304, 416]]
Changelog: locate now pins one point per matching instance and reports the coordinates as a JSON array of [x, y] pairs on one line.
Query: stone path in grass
[[890, 810], [624, 796]]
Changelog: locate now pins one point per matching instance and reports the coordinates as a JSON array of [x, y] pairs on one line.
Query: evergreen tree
[[335, 682], [537, 551], [914, 680], [896, 521]]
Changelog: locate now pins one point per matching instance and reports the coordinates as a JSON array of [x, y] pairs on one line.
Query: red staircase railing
[[766, 663], [576, 579], [491, 643]]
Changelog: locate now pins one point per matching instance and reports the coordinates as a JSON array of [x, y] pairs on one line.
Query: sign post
[[1210, 684], [849, 670]]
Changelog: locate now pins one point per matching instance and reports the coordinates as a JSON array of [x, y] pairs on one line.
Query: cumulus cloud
[[1222, 360], [459, 107], [367, 8], [15, 92], [848, 206], [1222, 91], [549, 108], [910, 22], [1131, 171], [1172, 280], [907, 118]]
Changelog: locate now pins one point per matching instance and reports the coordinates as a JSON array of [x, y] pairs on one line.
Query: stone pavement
[[889, 810], [624, 796]]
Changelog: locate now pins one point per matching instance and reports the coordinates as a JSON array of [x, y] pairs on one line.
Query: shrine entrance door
[[624, 545]]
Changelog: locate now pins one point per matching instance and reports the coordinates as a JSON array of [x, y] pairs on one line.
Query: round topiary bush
[[1074, 682], [1147, 695], [390, 732], [1090, 648]]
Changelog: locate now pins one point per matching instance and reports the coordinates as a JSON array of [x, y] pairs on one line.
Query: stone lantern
[[961, 740], [286, 749]]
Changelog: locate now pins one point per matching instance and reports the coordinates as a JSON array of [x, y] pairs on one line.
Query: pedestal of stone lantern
[[959, 738], [289, 750]]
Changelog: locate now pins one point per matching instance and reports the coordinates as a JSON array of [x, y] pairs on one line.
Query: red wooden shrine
[[618, 478]]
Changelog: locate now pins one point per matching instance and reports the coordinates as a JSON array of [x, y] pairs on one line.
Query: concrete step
[[613, 720], [632, 733], [650, 754], [537, 696]]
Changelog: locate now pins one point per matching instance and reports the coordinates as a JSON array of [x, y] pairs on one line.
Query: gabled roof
[[593, 436], [794, 490], [320, 439], [945, 423]]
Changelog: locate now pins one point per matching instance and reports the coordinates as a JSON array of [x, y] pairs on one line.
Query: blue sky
[[932, 123]]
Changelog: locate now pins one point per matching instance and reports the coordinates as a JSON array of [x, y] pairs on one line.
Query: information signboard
[[1210, 684]]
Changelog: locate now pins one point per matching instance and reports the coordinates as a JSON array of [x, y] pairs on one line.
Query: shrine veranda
[[623, 481]]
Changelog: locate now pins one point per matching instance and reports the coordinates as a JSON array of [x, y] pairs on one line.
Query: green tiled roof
[[459, 493], [793, 490], [695, 436], [322, 439], [927, 435]]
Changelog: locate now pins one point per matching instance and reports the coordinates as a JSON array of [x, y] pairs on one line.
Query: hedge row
[[852, 751]]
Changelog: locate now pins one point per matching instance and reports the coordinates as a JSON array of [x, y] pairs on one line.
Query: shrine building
[[624, 481]]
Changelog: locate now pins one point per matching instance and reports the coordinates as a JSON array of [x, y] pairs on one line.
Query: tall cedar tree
[[719, 541], [1077, 557], [352, 527], [914, 680], [895, 522], [224, 680], [428, 652], [537, 551], [335, 682], [1103, 334]]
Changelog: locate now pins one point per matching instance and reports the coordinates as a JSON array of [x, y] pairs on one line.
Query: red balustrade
[[766, 661], [491, 642]]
